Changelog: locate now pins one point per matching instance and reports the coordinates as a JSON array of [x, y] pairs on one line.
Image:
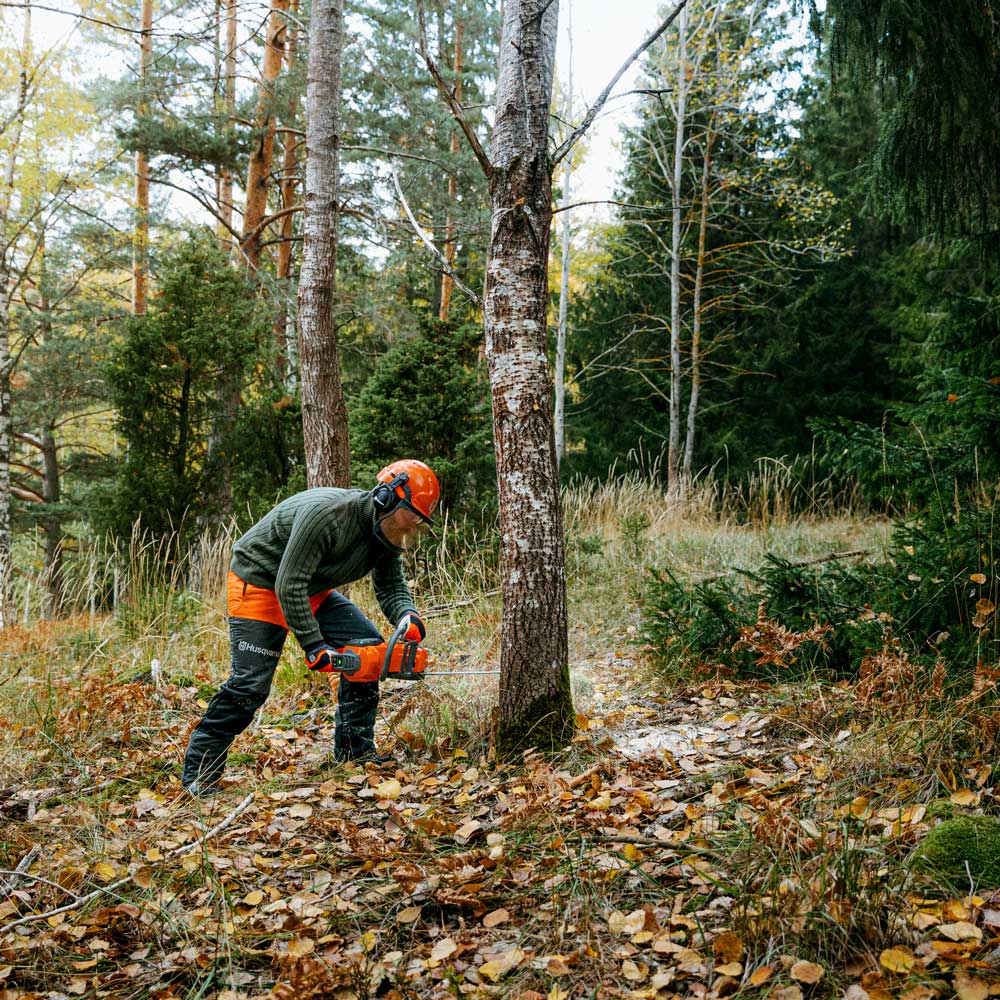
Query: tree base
[[543, 726]]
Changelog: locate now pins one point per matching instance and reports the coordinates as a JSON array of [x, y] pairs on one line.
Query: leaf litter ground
[[719, 840]]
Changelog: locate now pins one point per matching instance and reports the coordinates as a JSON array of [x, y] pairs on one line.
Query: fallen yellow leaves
[[897, 960], [408, 915], [443, 949], [496, 918], [806, 972], [968, 987], [497, 968], [761, 975], [960, 930], [389, 789]]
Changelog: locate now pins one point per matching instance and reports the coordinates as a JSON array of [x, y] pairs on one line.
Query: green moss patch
[[959, 849]]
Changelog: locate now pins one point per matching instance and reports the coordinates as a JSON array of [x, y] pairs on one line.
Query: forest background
[[800, 306]]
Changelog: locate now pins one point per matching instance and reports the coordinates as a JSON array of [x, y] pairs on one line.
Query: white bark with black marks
[[535, 703]]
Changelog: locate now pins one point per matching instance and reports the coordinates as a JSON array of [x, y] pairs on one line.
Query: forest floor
[[701, 837]]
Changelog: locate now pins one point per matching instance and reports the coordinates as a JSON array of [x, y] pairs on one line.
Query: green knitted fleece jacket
[[320, 540]]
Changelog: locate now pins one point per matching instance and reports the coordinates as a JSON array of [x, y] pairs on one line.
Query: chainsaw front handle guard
[[407, 664]]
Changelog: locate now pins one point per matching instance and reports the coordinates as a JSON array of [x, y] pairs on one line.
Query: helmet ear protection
[[385, 497]]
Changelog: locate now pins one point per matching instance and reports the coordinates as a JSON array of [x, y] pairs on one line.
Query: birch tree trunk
[[447, 284], [6, 442], [560, 373], [680, 110], [324, 414], [259, 168], [7, 283], [696, 309], [229, 103], [536, 707], [140, 237]]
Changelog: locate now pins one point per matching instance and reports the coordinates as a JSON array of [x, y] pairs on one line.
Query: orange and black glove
[[417, 631], [324, 659]]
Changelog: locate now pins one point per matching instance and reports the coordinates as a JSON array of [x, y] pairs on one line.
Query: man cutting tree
[[283, 577]]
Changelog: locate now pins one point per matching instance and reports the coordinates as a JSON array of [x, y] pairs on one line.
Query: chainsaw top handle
[[406, 667]]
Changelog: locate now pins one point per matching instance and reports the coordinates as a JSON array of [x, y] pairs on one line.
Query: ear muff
[[385, 497]]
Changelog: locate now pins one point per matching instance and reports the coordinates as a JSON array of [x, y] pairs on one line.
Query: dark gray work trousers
[[255, 647]]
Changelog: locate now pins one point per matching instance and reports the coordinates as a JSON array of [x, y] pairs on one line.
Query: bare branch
[[111, 889], [604, 201], [407, 156], [595, 108], [267, 220], [96, 20], [457, 111], [440, 257]]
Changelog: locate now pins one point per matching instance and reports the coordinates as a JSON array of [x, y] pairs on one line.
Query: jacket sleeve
[[311, 535], [391, 591]]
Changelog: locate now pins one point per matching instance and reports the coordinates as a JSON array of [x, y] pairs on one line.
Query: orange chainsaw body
[[408, 661]]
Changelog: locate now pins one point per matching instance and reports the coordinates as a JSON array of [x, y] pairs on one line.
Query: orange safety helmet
[[410, 483]]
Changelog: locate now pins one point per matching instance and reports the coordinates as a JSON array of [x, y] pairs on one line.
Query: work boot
[[202, 789], [354, 735]]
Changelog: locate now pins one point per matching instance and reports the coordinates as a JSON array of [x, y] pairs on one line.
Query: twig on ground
[[109, 889], [666, 845], [18, 873]]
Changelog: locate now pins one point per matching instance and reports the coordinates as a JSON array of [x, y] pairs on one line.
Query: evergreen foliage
[[428, 398], [937, 65], [934, 597], [946, 436], [204, 326]]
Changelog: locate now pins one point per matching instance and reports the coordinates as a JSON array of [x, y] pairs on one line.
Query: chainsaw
[[398, 659]]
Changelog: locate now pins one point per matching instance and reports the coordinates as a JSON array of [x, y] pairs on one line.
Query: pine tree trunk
[[699, 281], [259, 168], [560, 373], [680, 110], [324, 413], [447, 284], [140, 239], [288, 184], [536, 706]]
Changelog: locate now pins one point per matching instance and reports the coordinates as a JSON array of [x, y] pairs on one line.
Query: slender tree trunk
[[229, 65], [7, 611], [447, 284], [51, 485], [560, 373], [140, 239], [680, 110], [536, 707], [324, 413], [219, 102], [288, 184], [699, 280], [54, 573], [7, 241], [259, 169]]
